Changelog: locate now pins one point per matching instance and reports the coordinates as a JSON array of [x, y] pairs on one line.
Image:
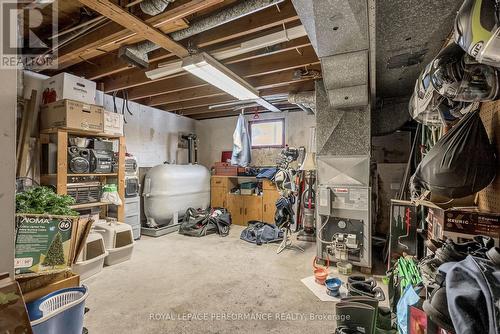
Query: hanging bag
[[461, 163]]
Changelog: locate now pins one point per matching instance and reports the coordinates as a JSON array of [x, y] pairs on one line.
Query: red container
[[226, 156]]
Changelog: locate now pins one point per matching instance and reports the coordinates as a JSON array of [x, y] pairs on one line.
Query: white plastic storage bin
[[133, 215], [118, 241], [91, 259]]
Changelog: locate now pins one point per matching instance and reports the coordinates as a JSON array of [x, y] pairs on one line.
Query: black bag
[[461, 163], [198, 223]]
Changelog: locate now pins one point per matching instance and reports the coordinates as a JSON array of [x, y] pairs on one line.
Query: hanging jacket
[[242, 155]]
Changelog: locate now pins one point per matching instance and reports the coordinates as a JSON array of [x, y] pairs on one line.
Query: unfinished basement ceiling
[[288, 65], [409, 34]]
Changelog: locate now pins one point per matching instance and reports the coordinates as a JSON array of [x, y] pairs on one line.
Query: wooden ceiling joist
[[86, 48], [267, 19], [257, 67], [295, 87], [227, 112], [133, 23], [271, 84], [112, 35], [137, 77]]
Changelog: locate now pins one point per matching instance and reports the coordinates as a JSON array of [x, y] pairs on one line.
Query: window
[[267, 133]]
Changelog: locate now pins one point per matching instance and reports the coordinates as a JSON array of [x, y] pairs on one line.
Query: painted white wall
[[151, 134], [216, 135]]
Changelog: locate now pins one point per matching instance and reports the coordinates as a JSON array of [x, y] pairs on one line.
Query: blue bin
[[60, 312]]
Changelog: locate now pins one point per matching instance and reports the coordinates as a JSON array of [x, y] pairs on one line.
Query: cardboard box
[[44, 244], [113, 123], [461, 223], [67, 86], [71, 114], [37, 287], [13, 313]]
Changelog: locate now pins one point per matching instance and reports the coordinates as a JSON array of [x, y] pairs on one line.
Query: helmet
[[477, 30], [430, 108], [425, 100], [459, 77]]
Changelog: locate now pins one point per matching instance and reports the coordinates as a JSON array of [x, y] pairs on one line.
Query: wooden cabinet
[[218, 198], [220, 187], [269, 205], [235, 206], [252, 207], [244, 208]]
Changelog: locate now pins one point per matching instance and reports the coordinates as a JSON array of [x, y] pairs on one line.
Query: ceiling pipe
[[154, 7], [137, 54], [304, 100], [305, 109]]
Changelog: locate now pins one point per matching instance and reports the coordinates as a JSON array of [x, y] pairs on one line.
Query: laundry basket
[[59, 312]]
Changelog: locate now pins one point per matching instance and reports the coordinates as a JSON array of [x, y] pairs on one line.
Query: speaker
[[80, 160]]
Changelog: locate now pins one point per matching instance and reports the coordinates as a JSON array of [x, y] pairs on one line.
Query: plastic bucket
[[59, 312], [320, 273], [333, 286]]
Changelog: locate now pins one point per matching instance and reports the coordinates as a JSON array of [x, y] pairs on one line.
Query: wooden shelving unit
[[62, 165], [88, 205]]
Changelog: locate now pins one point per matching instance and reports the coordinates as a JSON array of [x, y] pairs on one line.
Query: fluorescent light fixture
[[207, 68], [266, 104]]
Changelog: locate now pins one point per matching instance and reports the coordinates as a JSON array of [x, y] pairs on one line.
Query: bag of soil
[[461, 163]]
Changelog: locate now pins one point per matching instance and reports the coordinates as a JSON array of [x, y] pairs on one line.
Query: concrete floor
[[174, 277]]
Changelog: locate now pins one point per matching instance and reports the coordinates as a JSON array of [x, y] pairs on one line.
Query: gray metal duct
[[154, 7], [304, 100], [137, 54], [339, 33]]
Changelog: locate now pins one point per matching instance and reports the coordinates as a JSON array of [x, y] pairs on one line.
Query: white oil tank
[[170, 189]]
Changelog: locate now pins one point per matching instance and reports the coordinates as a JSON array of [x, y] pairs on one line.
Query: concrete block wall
[[151, 134], [216, 135]]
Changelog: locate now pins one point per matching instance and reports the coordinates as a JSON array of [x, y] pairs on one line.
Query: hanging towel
[[242, 155]]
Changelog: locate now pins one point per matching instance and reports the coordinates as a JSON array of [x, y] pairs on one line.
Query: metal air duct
[[304, 100], [154, 7]]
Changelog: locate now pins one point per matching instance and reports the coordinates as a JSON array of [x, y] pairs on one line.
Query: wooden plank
[[278, 79], [135, 77], [103, 41], [121, 177], [88, 205], [62, 162], [231, 113], [169, 21], [257, 67], [110, 63], [133, 23], [261, 83], [196, 112], [27, 122]]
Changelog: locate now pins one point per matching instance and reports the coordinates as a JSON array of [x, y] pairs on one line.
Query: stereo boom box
[[84, 160]]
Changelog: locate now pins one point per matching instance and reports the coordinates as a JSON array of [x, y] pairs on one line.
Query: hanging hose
[[125, 105]]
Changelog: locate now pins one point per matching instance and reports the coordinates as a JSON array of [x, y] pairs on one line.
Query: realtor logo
[[28, 34]]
